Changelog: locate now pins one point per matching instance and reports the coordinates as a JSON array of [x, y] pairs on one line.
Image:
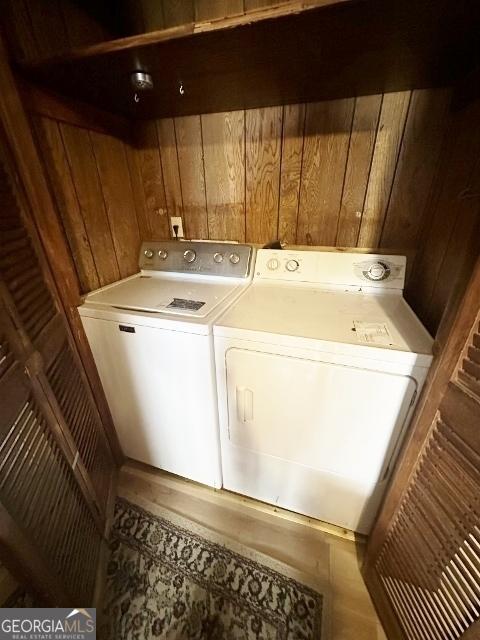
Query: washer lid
[[382, 321], [179, 296]]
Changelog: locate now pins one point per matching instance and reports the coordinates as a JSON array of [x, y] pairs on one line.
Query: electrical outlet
[[176, 220]]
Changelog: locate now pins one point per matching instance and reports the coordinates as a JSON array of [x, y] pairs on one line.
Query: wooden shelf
[[296, 53]]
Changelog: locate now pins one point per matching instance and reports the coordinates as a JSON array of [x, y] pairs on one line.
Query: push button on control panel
[[189, 255]]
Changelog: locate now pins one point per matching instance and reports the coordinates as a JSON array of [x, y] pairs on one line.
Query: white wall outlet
[[176, 220]]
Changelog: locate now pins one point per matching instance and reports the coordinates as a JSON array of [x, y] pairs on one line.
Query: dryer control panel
[[332, 268]]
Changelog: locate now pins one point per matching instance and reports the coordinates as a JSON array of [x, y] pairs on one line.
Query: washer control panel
[[332, 268], [202, 258]]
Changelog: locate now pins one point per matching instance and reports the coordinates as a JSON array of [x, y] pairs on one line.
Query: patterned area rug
[[169, 578]]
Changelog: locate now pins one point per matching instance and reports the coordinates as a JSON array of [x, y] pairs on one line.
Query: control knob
[[218, 257], [273, 264], [234, 258], [148, 253], [163, 254], [292, 265], [378, 271], [189, 255]]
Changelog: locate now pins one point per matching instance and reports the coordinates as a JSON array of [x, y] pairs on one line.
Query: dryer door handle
[[244, 404]]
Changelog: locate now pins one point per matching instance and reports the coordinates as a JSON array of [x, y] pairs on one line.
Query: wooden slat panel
[[48, 27], [429, 558], [224, 155], [51, 142], [211, 9], [177, 12], [171, 175], [263, 135], [82, 163], [390, 130], [192, 176], [119, 202], [291, 169], [327, 134], [39, 491], [147, 180], [360, 152], [417, 163], [20, 269]]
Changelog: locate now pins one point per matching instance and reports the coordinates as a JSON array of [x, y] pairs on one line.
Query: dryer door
[[302, 429]]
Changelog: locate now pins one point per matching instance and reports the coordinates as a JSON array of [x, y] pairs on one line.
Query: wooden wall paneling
[[40, 102], [82, 29], [359, 161], [116, 187], [327, 134], [290, 171], [192, 176], [45, 217], [217, 9], [171, 174], [147, 181], [48, 27], [176, 12], [152, 14], [263, 141], [389, 137], [78, 145], [452, 196], [50, 141], [417, 162], [224, 156], [462, 250], [18, 31]]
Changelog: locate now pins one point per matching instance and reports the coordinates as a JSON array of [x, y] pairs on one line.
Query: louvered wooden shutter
[[56, 468], [429, 562]]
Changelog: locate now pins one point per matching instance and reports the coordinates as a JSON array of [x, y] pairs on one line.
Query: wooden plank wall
[[351, 172], [34, 33]]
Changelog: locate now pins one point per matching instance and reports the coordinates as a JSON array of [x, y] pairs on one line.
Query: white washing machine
[[151, 337], [319, 366]]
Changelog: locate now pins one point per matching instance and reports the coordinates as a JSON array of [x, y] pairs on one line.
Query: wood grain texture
[[263, 139], [119, 202], [171, 175], [192, 176], [290, 172], [262, 173], [217, 9], [452, 209], [362, 144], [177, 12], [387, 145], [417, 163], [224, 156], [78, 146], [147, 179], [327, 135], [61, 181]]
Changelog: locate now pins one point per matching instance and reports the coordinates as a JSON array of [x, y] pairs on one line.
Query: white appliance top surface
[[172, 294], [351, 317]]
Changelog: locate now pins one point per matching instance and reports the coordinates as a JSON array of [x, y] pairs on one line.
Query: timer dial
[[378, 271], [292, 265], [148, 253]]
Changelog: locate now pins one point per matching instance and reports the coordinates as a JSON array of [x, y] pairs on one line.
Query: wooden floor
[[298, 542]]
